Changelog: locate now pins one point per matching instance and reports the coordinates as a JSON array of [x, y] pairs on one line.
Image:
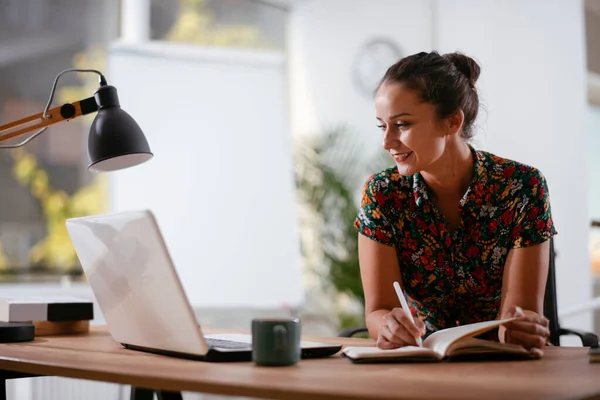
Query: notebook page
[[361, 352], [440, 341]]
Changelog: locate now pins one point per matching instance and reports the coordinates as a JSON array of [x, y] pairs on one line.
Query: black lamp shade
[[116, 141]]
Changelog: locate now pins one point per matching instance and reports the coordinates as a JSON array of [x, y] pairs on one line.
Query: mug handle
[[280, 334]]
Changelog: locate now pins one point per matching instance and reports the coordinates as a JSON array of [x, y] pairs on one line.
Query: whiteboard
[[221, 182]]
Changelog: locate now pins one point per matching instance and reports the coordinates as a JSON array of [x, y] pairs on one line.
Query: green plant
[[55, 250], [330, 172]]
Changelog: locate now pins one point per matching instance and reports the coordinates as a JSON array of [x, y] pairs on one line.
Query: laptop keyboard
[[227, 344]]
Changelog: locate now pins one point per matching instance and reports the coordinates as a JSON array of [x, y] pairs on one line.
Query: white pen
[[402, 299]]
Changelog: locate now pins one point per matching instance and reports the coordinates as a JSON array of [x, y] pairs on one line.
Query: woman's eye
[[398, 125]]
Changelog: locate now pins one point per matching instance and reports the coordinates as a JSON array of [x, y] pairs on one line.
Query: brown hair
[[446, 81]]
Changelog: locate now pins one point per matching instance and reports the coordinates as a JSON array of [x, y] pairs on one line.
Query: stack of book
[[49, 315]]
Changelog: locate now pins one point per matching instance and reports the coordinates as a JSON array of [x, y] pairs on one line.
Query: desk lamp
[[115, 140]]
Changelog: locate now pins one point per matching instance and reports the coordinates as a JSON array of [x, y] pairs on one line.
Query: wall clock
[[371, 62]]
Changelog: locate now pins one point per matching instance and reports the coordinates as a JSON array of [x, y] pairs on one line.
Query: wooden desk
[[562, 373]]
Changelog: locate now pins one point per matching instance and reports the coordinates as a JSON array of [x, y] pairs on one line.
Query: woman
[[464, 231]]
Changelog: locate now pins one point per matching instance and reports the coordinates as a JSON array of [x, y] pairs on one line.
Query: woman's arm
[[526, 268], [523, 286], [524, 278], [386, 322], [379, 269]]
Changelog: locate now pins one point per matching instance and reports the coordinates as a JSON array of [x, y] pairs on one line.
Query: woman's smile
[[401, 157]]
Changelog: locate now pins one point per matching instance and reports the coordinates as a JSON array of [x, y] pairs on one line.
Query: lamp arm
[[55, 115], [49, 116]]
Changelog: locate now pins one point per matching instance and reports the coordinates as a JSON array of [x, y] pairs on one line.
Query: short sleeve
[[371, 220], [533, 222]]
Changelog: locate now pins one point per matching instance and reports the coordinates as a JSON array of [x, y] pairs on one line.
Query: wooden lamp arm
[[55, 115], [50, 116]]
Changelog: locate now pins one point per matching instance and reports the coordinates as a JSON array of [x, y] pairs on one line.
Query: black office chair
[[588, 339]]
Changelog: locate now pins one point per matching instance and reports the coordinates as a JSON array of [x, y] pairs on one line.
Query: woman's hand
[[398, 330], [531, 330]]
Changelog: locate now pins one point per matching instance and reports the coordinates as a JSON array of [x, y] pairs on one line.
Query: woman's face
[[412, 133]]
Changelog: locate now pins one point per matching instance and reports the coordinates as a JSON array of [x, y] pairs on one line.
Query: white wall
[[532, 86], [221, 182], [593, 129], [325, 37]]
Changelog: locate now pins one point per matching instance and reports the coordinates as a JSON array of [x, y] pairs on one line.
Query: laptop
[[131, 273]]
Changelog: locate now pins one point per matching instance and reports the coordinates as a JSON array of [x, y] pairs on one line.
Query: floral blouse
[[456, 279]]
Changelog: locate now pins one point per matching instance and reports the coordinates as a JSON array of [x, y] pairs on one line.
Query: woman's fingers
[[527, 340], [386, 339], [382, 343], [385, 345], [530, 330], [514, 311], [546, 322], [408, 322], [398, 331], [421, 325], [530, 327], [536, 352]]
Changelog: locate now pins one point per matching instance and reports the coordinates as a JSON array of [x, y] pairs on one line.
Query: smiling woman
[[465, 231]]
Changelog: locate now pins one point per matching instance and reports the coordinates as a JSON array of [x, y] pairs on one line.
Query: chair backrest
[[550, 304]]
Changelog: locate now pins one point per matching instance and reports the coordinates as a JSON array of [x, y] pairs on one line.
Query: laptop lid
[[137, 288]]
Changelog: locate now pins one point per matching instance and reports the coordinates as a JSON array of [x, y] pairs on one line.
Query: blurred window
[[47, 181], [223, 23]]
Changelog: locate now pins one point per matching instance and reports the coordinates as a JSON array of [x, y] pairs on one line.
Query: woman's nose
[[390, 140]]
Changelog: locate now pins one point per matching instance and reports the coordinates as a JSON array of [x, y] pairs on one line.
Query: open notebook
[[456, 342]]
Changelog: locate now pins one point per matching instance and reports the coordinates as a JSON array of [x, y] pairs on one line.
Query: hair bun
[[466, 65]]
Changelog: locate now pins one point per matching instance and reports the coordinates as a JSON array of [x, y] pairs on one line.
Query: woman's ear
[[454, 122]]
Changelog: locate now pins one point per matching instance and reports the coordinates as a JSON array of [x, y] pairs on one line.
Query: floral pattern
[[456, 279]]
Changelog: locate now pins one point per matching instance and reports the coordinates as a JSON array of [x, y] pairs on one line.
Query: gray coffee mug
[[276, 342]]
